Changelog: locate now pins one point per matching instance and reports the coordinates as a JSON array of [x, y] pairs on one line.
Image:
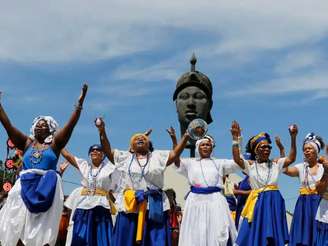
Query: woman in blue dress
[[264, 213], [32, 212]]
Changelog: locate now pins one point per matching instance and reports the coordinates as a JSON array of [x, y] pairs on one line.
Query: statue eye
[[199, 95], [184, 96]]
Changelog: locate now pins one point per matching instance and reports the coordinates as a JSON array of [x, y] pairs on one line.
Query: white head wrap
[[312, 139], [205, 138], [53, 126]]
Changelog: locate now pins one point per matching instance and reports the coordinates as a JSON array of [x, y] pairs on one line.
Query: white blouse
[[104, 181], [306, 178], [139, 174], [262, 174], [206, 172]]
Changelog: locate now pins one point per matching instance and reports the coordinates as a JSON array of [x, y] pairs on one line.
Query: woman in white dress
[[33, 209], [143, 206], [264, 213], [206, 219], [92, 203]]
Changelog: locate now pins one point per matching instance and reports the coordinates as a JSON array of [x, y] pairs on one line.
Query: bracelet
[[235, 142], [78, 107], [235, 145]]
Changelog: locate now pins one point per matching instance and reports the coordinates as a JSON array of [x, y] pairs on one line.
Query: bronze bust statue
[[193, 97]]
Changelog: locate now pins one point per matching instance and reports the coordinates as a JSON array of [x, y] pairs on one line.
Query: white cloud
[[39, 31]]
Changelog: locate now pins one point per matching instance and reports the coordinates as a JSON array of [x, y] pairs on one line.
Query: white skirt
[[206, 221], [34, 229]]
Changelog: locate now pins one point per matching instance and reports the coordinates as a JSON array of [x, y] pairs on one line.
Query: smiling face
[[41, 130], [96, 156], [310, 153], [192, 103], [205, 148], [140, 144], [263, 151]]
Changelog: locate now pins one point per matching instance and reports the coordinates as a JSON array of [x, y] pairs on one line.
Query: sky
[[267, 61]]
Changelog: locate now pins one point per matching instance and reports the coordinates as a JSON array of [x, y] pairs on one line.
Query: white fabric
[[153, 174], [306, 179], [16, 222], [76, 200], [259, 173], [103, 181], [322, 212], [52, 124], [206, 220]]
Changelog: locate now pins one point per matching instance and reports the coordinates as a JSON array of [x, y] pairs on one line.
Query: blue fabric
[[231, 202], [303, 223], [205, 190], [125, 229], [155, 234], [48, 161], [38, 191], [241, 199], [92, 227], [269, 225], [155, 201], [321, 234]]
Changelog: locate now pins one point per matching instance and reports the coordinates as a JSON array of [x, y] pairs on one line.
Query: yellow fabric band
[[308, 191], [101, 192], [248, 211], [132, 206]]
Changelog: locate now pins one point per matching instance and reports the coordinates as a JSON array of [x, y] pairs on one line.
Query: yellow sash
[[101, 192], [131, 206], [248, 211], [307, 191]]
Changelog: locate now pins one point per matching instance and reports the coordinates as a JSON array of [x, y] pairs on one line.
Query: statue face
[[192, 103]]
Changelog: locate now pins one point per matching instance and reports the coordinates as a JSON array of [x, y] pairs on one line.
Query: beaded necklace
[[92, 179], [201, 168], [37, 154], [260, 180], [142, 168], [307, 173]]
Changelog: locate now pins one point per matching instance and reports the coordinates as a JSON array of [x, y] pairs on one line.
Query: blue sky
[[267, 62]]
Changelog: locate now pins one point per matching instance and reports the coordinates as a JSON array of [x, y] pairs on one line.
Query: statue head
[[193, 97]]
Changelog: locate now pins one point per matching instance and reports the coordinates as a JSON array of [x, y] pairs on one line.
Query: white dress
[[131, 175], [32, 228], [306, 179], [206, 220], [77, 201]]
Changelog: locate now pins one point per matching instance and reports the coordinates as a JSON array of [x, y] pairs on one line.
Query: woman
[[309, 172], [92, 204], [206, 220], [142, 204], [321, 227], [32, 212], [264, 214]]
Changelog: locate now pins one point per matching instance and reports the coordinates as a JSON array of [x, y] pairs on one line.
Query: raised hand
[[235, 130], [148, 132], [83, 94], [293, 130], [100, 123], [171, 132]]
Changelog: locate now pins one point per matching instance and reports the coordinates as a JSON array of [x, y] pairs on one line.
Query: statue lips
[[191, 115]]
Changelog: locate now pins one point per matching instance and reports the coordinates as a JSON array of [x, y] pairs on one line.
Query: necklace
[[306, 177], [92, 179], [142, 168], [37, 154], [201, 168], [264, 182]]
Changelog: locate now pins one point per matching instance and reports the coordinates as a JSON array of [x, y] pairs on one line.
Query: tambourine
[[197, 129], [7, 186]]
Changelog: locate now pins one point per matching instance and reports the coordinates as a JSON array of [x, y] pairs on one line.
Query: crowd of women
[[128, 185]]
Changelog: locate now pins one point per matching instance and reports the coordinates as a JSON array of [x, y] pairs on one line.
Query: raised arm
[[63, 135], [19, 139], [69, 157], [293, 130], [291, 171], [173, 136], [176, 152], [100, 124], [236, 133], [280, 147]]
